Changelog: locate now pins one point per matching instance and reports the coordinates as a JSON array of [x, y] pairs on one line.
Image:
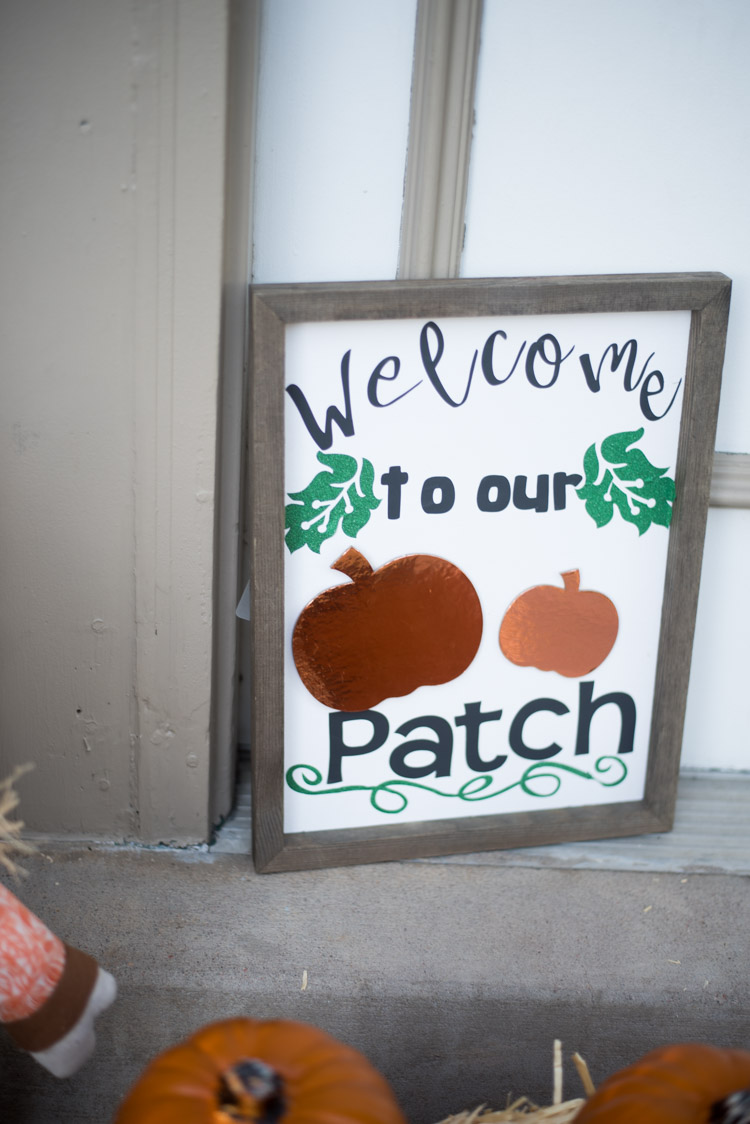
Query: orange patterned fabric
[[31, 960]]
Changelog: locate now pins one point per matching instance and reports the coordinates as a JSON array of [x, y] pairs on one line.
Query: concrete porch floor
[[453, 978]]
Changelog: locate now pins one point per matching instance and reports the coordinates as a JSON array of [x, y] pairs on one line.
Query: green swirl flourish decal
[[389, 792]]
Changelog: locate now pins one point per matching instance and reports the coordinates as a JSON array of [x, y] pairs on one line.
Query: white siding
[[612, 137], [333, 117]]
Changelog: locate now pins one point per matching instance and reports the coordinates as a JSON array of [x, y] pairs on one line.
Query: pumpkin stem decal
[[414, 622], [353, 564], [570, 631]]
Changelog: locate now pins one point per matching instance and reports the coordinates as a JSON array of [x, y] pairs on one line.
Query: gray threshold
[[711, 834]]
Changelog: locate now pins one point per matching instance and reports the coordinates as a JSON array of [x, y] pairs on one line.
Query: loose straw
[[10, 830], [557, 1072], [583, 1072], [524, 1111]]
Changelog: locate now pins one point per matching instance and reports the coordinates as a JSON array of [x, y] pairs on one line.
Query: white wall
[[718, 710], [111, 198], [611, 137], [332, 125], [333, 116]]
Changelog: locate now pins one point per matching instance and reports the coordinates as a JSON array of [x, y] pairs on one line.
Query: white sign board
[[478, 512]]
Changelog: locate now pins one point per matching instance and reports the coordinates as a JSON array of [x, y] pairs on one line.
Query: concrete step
[[453, 978]]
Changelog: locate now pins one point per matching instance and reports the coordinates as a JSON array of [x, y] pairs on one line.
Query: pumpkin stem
[[353, 564], [572, 580], [734, 1109], [251, 1085]]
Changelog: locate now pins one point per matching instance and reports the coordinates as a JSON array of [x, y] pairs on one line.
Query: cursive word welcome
[[542, 362]]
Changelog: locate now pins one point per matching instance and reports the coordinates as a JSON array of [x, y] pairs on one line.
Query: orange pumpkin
[[414, 622], [570, 631], [274, 1072], [681, 1084]]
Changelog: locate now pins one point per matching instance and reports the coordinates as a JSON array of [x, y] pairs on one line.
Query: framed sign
[[478, 511]]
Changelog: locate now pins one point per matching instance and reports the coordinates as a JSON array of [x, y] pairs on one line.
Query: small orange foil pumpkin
[[415, 622], [273, 1072], [681, 1084], [570, 631]]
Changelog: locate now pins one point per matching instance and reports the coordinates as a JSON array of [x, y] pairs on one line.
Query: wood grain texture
[[706, 295], [243, 68], [267, 579], [511, 296], [462, 835], [695, 452]]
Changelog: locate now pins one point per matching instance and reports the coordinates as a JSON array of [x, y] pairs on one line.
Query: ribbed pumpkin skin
[[324, 1081], [671, 1085]]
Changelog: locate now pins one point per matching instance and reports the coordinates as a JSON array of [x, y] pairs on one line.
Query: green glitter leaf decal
[[388, 798], [340, 496], [617, 475]]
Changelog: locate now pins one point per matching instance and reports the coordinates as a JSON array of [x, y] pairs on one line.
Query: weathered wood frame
[[706, 296]]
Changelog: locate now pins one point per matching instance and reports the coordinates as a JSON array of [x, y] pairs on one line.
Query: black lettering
[[646, 394], [378, 374], [442, 749], [500, 485], [487, 359], [393, 480], [339, 749], [593, 381], [430, 362], [323, 438], [444, 486], [472, 719], [561, 481], [554, 360], [587, 709], [515, 737], [524, 502], [627, 381]]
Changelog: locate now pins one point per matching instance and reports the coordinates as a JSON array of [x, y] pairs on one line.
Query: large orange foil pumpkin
[[678, 1084], [570, 630], [274, 1072], [415, 622]]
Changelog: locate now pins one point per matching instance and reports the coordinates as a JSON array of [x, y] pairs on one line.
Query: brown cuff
[[62, 1009]]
